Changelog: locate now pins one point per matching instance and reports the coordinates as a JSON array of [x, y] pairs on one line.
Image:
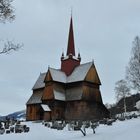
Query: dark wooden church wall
[[83, 110], [47, 116], [34, 112], [48, 92], [91, 94], [58, 110]]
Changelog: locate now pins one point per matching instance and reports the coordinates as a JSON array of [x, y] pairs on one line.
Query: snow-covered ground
[[126, 130]]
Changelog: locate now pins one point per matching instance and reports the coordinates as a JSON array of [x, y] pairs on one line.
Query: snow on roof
[[40, 81], [35, 98], [79, 73], [74, 57], [45, 107], [59, 95], [58, 75], [67, 57]]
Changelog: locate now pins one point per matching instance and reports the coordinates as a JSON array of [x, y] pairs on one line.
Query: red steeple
[[69, 62], [71, 48]]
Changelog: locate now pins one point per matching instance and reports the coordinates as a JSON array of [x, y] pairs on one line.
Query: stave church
[[69, 93]]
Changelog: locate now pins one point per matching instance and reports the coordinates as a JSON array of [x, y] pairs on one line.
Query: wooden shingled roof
[[79, 74], [35, 98], [40, 81]]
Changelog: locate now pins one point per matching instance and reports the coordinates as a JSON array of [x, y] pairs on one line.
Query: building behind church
[[69, 93]]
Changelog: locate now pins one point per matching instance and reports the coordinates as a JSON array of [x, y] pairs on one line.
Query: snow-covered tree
[[122, 91], [6, 11], [133, 68]]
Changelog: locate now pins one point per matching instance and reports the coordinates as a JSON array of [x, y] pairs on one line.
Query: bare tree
[[133, 68], [7, 14], [122, 91]]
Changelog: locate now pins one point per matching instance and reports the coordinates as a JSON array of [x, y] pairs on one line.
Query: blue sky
[[103, 30]]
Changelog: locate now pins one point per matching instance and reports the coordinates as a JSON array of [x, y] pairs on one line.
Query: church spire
[[70, 61], [71, 47]]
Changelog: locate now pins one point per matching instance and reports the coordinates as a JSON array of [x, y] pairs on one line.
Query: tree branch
[[10, 46]]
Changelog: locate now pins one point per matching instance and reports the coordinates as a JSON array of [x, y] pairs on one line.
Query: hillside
[[126, 130], [130, 105], [19, 115]]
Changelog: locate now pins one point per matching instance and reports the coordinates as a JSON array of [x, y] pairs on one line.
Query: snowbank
[[129, 129]]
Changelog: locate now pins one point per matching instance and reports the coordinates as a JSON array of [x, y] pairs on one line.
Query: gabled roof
[[40, 81], [35, 98], [79, 73], [92, 76], [59, 95], [45, 107], [57, 75]]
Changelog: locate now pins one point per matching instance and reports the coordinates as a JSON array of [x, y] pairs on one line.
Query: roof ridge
[[81, 66], [43, 73], [58, 70], [78, 74], [86, 63], [81, 74]]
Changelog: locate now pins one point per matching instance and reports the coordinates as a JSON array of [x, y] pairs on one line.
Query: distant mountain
[[19, 115], [2, 118]]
